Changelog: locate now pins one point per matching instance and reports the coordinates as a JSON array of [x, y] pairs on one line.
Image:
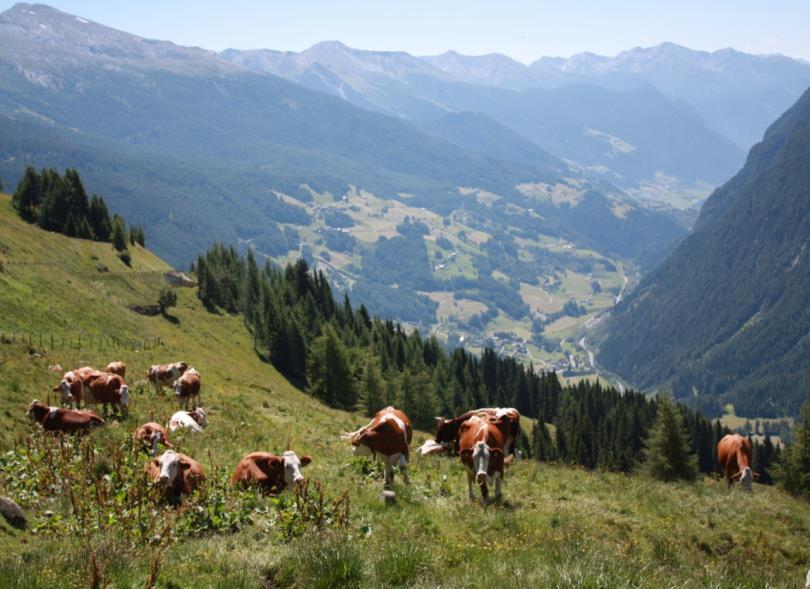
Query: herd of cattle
[[484, 439]]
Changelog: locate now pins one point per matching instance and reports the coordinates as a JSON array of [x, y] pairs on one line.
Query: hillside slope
[[726, 314], [559, 526]]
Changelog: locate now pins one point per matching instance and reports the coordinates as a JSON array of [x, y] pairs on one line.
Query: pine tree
[[372, 388], [28, 194], [119, 234], [794, 467], [669, 456], [329, 372]]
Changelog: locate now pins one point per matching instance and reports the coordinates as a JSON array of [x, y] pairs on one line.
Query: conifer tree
[[372, 387], [669, 456], [794, 467], [28, 194], [119, 233], [329, 372]]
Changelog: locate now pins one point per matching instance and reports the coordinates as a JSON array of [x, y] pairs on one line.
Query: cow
[[176, 473], [150, 435], [57, 419], [108, 389], [118, 368], [270, 473], [195, 420], [734, 457], [187, 388], [807, 581], [74, 384], [163, 375], [389, 435], [481, 446], [447, 429]]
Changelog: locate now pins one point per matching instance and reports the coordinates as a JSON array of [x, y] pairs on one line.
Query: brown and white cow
[[150, 435], [118, 368], [734, 457], [447, 430], [388, 435], [163, 375], [57, 419], [481, 446], [272, 474], [187, 388], [74, 384], [176, 473], [195, 420], [108, 389]]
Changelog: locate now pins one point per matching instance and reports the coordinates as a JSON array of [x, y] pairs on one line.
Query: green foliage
[[119, 233], [329, 371], [668, 455], [167, 299], [794, 468]]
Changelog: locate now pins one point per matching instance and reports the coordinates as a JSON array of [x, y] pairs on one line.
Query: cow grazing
[[734, 457], [389, 435], [195, 420], [73, 385], [163, 375], [272, 474], [149, 435], [481, 446], [118, 368], [187, 388], [447, 430], [56, 419], [108, 389], [176, 473]]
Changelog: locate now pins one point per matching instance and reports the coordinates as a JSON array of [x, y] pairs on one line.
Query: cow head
[[64, 387], [200, 417], [156, 438], [124, 390], [33, 409], [480, 456], [292, 468], [446, 430], [169, 468], [177, 386]]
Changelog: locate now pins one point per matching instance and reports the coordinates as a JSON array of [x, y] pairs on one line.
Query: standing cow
[[270, 473], [187, 388], [164, 375], [118, 368], [108, 389], [176, 473], [389, 435], [734, 457], [481, 446], [73, 385], [56, 419]]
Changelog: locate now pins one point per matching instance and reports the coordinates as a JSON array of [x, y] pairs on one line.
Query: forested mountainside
[[725, 318]]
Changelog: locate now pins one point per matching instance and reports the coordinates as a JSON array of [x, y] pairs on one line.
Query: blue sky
[[523, 29]]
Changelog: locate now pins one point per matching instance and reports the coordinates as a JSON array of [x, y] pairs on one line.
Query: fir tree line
[[60, 203], [351, 360]]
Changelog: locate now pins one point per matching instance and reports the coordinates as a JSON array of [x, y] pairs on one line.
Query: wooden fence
[[52, 341]]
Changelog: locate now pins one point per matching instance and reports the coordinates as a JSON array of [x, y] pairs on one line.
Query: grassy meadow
[[558, 526]]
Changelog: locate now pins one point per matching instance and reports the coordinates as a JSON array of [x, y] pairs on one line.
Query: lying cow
[[481, 444], [176, 473], [163, 375], [734, 457], [195, 420], [150, 435], [447, 430], [187, 388], [272, 474], [74, 384], [108, 389], [56, 419], [389, 435], [118, 368]]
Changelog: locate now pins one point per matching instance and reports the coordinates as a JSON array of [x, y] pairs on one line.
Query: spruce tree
[[329, 372], [372, 387], [119, 233], [794, 467], [28, 194], [669, 456]]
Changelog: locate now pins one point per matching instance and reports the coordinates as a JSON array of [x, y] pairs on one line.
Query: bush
[[166, 299]]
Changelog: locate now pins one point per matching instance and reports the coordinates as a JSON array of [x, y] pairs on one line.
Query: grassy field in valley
[[558, 526]]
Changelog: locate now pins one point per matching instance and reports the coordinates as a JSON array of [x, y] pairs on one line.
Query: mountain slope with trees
[[725, 317]]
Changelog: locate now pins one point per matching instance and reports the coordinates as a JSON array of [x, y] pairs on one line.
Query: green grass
[[558, 527]]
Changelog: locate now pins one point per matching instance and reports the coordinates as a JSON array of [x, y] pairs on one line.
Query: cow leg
[[389, 471], [470, 479], [403, 468], [497, 487]]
